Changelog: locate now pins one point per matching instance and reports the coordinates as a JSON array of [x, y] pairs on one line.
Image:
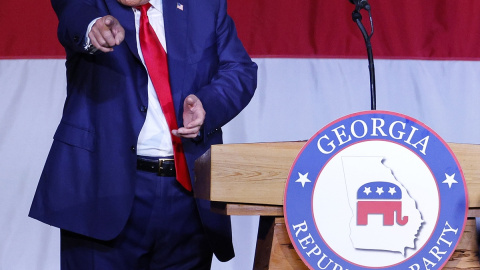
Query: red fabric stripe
[[28, 30], [414, 29], [409, 29]]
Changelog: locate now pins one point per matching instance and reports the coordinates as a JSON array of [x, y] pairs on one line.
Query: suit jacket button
[[143, 108], [133, 148]]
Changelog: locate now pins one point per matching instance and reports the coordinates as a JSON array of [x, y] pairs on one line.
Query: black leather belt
[[162, 166]]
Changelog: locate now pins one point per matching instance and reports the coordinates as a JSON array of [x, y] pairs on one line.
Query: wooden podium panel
[[245, 173], [256, 173], [276, 252], [249, 179]]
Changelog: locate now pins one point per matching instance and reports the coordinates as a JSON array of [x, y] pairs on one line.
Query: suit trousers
[[163, 231]]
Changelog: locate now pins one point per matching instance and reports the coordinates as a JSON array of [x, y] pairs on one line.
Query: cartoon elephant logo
[[380, 198]]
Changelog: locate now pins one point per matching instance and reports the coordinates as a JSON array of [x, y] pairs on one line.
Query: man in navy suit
[[109, 182]]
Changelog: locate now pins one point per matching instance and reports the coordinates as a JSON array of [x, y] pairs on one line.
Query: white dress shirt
[[155, 138]]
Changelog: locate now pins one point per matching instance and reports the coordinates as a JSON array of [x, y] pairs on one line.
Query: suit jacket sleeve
[[74, 17], [233, 85]]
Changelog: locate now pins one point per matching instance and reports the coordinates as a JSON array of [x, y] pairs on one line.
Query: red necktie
[[156, 62]]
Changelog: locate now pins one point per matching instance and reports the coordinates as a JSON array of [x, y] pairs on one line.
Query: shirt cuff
[[88, 44]]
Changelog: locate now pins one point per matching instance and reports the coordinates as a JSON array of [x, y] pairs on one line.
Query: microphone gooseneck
[[357, 18], [360, 4]]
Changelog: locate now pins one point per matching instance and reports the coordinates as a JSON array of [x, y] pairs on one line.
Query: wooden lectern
[[249, 179]]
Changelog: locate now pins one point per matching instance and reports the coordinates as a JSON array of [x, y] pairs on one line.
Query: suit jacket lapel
[[175, 20], [175, 27]]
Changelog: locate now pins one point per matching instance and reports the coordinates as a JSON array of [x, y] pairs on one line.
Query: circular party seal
[[375, 190]]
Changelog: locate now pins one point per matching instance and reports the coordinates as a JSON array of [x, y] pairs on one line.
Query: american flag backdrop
[[312, 70]]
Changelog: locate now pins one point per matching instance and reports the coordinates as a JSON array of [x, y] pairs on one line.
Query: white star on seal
[[450, 180], [303, 178]]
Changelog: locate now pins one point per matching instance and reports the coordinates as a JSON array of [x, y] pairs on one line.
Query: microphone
[[360, 4]]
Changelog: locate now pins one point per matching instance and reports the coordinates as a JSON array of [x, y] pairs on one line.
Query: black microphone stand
[[357, 18]]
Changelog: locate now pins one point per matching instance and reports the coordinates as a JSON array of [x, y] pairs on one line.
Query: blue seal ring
[[362, 127]]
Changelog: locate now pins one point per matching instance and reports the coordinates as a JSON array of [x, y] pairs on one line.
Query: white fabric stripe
[[33, 93], [295, 98]]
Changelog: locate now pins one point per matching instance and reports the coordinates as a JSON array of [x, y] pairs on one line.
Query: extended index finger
[[108, 32]]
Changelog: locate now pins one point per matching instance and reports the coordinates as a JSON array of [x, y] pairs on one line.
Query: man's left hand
[[193, 117]]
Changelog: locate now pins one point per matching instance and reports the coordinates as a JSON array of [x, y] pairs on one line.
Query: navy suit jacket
[[86, 185]]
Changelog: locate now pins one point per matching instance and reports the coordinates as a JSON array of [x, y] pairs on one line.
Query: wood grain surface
[[256, 173]]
